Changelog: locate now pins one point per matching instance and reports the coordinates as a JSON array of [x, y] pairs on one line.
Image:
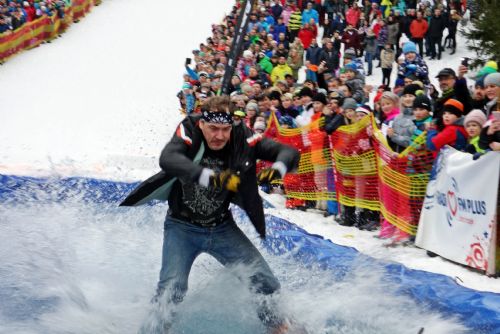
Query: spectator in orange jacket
[[418, 29]]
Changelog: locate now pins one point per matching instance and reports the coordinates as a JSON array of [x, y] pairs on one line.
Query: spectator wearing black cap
[[452, 87], [422, 107], [306, 94]]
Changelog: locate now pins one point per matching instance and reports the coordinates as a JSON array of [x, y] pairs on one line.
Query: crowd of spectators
[[335, 42], [14, 14]]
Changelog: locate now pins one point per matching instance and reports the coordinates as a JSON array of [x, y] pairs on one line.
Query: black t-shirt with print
[[199, 204]]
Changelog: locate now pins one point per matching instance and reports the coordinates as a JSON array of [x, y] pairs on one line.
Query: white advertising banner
[[458, 218]]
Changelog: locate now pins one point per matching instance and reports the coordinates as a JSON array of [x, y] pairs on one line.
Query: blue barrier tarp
[[477, 310]]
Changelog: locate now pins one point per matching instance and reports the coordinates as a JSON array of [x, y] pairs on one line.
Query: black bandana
[[217, 117]]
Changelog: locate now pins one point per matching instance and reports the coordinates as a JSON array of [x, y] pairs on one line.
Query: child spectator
[[387, 58], [473, 124], [389, 103], [413, 64], [453, 133], [422, 107], [259, 126], [402, 128], [354, 82]]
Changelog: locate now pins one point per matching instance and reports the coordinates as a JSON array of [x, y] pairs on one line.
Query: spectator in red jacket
[[307, 33], [351, 39], [352, 15], [418, 29], [453, 133]]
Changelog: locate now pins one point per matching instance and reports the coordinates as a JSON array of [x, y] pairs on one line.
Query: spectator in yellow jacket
[[280, 70]]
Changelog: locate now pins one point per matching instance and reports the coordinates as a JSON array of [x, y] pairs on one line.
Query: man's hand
[[462, 70], [268, 175], [225, 180]]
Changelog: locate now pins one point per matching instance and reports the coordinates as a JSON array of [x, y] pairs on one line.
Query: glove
[[411, 67], [268, 175], [225, 180]]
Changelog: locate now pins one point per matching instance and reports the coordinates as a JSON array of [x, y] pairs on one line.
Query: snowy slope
[[101, 102]]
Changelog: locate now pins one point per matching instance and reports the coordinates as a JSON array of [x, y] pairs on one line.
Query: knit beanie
[[351, 67], [349, 103], [260, 125], [318, 97], [422, 102], [454, 106], [475, 115], [411, 89], [492, 79], [409, 47], [306, 91], [252, 106], [489, 67]]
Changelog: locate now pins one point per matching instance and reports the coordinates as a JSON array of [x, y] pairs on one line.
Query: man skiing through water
[[209, 163]]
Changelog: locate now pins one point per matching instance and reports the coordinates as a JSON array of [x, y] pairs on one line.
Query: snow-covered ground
[[100, 101]]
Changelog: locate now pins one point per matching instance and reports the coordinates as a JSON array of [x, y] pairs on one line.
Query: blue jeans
[[183, 242], [369, 59]]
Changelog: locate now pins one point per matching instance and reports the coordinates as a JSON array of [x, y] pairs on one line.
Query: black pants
[[292, 34], [436, 43], [386, 76], [420, 43]]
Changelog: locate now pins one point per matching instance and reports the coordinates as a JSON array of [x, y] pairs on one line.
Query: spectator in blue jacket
[[310, 13]]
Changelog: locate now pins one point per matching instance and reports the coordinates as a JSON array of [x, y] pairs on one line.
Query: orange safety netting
[[356, 178], [403, 182], [368, 174], [313, 179]]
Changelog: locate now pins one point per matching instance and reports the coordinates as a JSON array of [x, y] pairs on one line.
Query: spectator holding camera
[[452, 87]]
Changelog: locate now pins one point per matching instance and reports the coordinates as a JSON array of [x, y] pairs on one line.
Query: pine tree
[[483, 31]]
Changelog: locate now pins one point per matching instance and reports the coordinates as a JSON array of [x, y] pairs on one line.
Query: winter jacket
[[436, 26], [404, 128], [418, 28], [279, 72], [332, 59], [382, 36], [387, 58], [453, 135], [177, 163], [307, 15], [351, 39], [287, 12], [370, 44], [352, 16], [266, 65], [393, 33], [420, 127], [313, 54], [418, 67], [295, 21], [356, 86], [306, 36]]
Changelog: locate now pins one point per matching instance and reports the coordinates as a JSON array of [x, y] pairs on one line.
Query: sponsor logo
[[457, 205]]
